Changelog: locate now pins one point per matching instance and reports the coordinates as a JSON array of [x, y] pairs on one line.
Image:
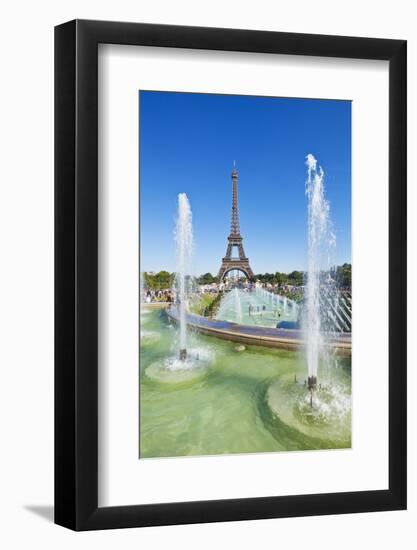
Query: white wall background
[[26, 286]]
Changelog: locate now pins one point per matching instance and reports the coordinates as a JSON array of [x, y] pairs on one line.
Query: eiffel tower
[[239, 262]]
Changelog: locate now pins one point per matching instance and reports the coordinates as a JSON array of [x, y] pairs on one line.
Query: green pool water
[[235, 402]]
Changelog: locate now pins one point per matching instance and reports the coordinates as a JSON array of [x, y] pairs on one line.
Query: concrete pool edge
[[283, 338]]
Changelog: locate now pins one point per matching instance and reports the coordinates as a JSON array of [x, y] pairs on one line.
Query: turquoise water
[[256, 308], [226, 401]]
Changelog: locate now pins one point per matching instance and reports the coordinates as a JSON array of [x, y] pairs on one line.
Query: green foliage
[[207, 279], [295, 278], [207, 304], [202, 304], [159, 281], [342, 274], [211, 309]]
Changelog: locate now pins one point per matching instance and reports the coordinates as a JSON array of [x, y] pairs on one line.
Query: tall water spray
[[238, 306], [184, 244], [320, 240]]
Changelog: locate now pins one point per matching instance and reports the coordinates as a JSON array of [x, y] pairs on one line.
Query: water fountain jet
[[184, 243], [320, 239]]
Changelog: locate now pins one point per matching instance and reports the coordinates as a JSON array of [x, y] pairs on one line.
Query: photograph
[[209, 226], [245, 274]]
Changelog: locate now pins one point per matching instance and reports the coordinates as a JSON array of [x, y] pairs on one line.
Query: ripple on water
[[328, 418], [148, 337], [172, 370]]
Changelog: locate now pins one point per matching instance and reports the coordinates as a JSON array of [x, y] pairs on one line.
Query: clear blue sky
[[188, 143]]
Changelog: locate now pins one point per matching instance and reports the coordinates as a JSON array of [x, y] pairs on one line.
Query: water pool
[[235, 402], [256, 308]]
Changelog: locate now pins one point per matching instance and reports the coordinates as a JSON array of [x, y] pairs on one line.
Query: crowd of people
[[151, 296], [169, 296]]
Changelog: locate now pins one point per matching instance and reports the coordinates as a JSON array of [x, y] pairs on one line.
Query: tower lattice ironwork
[[241, 261]]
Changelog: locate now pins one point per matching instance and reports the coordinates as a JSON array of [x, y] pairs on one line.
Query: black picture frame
[[76, 272]]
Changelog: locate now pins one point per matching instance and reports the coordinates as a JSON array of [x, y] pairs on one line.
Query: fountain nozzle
[[312, 385], [312, 382], [183, 354]]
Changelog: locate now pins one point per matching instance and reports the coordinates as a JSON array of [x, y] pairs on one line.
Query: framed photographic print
[[230, 275]]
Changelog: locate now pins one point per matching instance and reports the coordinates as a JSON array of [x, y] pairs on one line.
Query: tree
[[343, 276], [206, 279], [296, 278], [159, 281], [280, 278]]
